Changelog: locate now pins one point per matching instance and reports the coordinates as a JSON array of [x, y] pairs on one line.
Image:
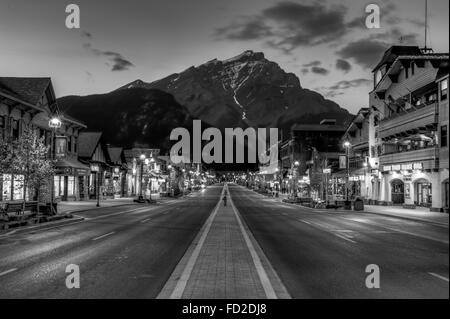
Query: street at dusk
[[224, 159], [315, 254]]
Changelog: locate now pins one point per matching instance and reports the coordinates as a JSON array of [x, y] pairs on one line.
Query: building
[[309, 156], [119, 169], [31, 102], [93, 152], [360, 167], [409, 106]]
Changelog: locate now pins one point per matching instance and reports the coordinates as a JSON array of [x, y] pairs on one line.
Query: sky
[[325, 43]]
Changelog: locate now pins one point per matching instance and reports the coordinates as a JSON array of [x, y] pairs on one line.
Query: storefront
[[70, 180], [12, 187], [423, 193]]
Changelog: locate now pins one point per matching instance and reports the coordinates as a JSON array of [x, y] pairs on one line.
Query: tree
[[30, 159]]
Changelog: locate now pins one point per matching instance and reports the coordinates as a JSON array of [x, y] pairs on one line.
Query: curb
[[42, 226], [363, 212]]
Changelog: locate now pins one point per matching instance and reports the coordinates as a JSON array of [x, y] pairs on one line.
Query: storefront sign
[[327, 171], [387, 168], [95, 168], [342, 162], [407, 178], [407, 167], [418, 166], [396, 168]]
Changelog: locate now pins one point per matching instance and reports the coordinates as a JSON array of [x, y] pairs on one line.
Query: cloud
[[250, 30], [288, 25], [313, 63], [119, 63], [344, 84], [343, 65], [365, 52], [319, 70], [86, 34]]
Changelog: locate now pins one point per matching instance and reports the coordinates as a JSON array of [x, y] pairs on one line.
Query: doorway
[[398, 192]]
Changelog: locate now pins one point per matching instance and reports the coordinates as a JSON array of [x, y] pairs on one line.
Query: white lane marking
[[178, 291], [398, 230], [345, 238], [103, 236], [7, 272], [145, 220], [263, 277], [335, 232], [438, 276]]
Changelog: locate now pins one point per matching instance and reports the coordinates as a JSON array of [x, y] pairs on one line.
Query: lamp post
[[296, 166], [54, 123], [151, 161], [142, 158], [347, 146]]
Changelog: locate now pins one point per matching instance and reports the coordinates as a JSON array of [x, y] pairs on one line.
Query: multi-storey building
[[360, 166], [31, 103], [410, 126]]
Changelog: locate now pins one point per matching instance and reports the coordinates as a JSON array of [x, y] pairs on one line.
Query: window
[[413, 68], [406, 73], [444, 90], [69, 144], [75, 141], [15, 129], [444, 136], [70, 185], [2, 126]]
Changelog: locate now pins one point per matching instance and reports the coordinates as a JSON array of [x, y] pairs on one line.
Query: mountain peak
[[246, 55]]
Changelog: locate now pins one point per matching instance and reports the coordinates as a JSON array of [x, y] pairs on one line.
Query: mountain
[[247, 90], [134, 117]]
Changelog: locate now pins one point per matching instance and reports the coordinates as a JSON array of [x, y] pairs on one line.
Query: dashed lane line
[[7, 272], [103, 236]]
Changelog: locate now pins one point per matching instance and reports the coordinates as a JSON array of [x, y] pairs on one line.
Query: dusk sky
[[326, 43]]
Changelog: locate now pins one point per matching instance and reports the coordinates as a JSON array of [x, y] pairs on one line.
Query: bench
[[15, 211]]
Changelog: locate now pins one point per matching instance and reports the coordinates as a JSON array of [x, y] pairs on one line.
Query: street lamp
[[54, 123], [296, 165], [347, 146]]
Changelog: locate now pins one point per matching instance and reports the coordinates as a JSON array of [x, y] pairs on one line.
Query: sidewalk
[[220, 264], [420, 213], [76, 206]]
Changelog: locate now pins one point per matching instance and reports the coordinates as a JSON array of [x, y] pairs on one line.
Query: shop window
[[444, 136], [56, 186], [6, 187], [444, 90], [70, 186], [18, 187]]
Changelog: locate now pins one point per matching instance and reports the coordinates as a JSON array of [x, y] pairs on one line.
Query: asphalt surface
[[122, 252], [325, 254], [131, 251]]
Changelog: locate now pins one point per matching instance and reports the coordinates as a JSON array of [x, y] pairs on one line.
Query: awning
[[71, 167]]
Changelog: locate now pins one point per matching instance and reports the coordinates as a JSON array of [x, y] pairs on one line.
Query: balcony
[[427, 156], [413, 121]]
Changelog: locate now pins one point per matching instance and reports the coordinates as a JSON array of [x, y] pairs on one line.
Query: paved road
[[123, 252], [131, 251], [325, 255]]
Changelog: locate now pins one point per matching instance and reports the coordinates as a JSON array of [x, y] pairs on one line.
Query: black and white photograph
[[224, 158]]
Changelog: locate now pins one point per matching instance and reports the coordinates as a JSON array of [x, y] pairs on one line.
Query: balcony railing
[[409, 121], [429, 155]]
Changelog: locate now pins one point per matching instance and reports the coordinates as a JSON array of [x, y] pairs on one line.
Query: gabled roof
[[29, 90], [393, 52], [115, 154], [87, 143]]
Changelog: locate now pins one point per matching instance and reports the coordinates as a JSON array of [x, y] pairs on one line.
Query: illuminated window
[[70, 185], [444, 90]]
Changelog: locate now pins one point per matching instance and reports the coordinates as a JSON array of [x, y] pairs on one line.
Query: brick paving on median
[[224, 268]]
